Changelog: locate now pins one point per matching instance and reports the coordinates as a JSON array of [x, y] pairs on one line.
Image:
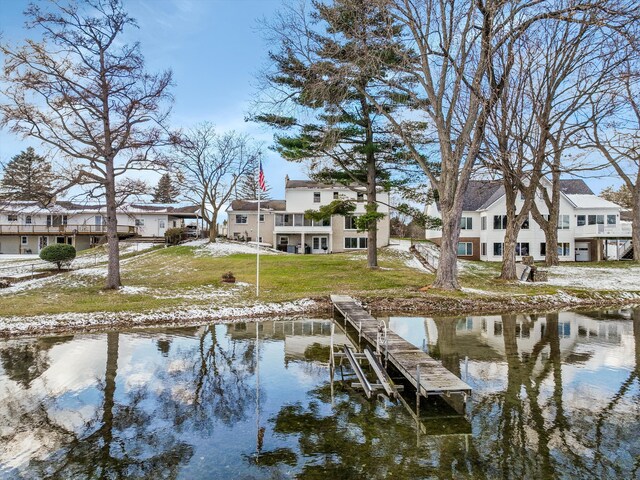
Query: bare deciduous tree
[[84, 92], [615, 132], [209, 166]]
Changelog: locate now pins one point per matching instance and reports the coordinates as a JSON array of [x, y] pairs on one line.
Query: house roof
[[575, 187], [252, 205], [481, 193], [306, 184], [591, 201], [64, 207]]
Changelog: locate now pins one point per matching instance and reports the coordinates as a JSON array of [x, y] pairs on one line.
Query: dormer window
[[316, 197]]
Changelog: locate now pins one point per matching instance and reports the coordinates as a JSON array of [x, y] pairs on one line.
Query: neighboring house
[[589, 227], [283, 226], [27, 227]]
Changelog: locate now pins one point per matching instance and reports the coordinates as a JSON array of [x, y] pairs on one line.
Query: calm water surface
[[555, 396]]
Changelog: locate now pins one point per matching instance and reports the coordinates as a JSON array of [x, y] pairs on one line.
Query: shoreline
[[431, 306]]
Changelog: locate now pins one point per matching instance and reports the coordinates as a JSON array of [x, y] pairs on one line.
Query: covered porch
[[303, 242]]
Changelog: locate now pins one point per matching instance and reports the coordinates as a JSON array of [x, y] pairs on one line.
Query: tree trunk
[[213, 227], [508, 271], [635, 227], [372, 206], [113, 267], [447, 273], [109, 398]]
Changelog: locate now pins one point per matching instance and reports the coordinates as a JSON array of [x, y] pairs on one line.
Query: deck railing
[[70, 229]]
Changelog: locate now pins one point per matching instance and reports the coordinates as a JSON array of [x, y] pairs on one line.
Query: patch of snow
[[595, 278], [224, 248], [132, 290]]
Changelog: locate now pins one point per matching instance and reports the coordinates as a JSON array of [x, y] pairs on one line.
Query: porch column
[[302, 244], [598, 249]]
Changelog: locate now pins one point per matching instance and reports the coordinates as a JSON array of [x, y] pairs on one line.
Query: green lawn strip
[[191, 275]]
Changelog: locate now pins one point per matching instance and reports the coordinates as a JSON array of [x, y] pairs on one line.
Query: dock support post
[[466, 368], [418, 390]]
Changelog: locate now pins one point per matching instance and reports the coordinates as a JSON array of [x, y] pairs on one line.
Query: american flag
[[263, 184]]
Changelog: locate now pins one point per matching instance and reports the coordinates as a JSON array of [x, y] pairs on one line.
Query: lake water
[[554, 396]]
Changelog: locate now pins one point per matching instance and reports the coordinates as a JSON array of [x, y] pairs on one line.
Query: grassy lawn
[[181, 276]]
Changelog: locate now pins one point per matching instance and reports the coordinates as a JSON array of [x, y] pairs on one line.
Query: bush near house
[[173, 236], [61, 254]]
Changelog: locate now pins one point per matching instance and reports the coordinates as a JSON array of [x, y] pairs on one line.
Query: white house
[[589, 227], [27, 227], [282, 222]]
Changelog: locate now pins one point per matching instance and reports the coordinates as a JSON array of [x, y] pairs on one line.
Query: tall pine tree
[[248, 186], [27, 177], [166, 191]]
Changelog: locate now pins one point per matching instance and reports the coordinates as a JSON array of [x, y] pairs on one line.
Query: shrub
[[173, 236], [60, 253], [228, 277]]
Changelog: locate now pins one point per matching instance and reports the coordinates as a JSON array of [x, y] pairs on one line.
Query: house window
[[139, 222], [563, 222], [325, 222], [61, 240], [335, 195], [261, 219], [27, 220], [499, 222], [350, 222], [363, 241], [465, 249], [611, 219], [543, 249], [360, 197], [483, 223], [12, 218], [581, 220], [596, 219], [563, 249], [483, 249], [525, 224], [161, 223], [241, 219], [522, 248], [564, 329], [350, 242], [466, 223], [24, 240], [284, 240], [316, 197], [497, 249]]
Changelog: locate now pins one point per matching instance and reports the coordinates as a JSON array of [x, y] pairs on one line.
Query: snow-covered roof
[[67, 208], [591, 201]]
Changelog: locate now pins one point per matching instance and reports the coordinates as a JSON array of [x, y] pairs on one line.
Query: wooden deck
[[426, 374]]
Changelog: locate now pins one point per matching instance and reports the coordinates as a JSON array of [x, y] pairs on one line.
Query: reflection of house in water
[[303, 339], [572, 329]]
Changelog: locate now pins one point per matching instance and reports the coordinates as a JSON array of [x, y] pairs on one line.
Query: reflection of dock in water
[[427, 376]]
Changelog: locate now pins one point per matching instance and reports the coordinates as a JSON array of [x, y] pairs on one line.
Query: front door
[[320, 245], [583, 253], [43, 242]]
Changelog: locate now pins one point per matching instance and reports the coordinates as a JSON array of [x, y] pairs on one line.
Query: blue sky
[[215, 49]]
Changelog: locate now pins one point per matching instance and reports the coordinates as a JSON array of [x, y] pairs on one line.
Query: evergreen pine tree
[[248, 186], [27, 177], [166, 191]]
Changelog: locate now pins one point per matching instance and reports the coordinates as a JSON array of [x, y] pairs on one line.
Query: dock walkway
[[426, 374]]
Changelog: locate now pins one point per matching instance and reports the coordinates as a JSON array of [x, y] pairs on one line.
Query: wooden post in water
[[418, 390]]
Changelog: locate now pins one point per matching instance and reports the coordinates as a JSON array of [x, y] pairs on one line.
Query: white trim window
[[497, 249], [611, 219], [316, 197], [596, 219], [581, 220], [466, 223], [261, 218], [360, 197], [483, 223], [465, 249], [564, 249], [283, 240], [139, 222], [12, 217], [350, 243], [350, 222], [564, 222], [28, 220], [483, 248], [500, 222], [161, 224], [522, 249], [241, 219], [363, 242], [24, 240]]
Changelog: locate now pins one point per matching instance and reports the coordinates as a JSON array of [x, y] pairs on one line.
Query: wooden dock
[[426, 374]]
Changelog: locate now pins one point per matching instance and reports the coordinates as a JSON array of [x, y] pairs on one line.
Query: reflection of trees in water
[[25, 360], [217, 378], [530, 432], [119, 441], [362, 439]]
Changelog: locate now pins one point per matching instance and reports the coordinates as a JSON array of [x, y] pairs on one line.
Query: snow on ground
[[183, 315], [595, 278], [224, 248]]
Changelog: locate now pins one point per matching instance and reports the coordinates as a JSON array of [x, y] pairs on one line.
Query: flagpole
[[258, 247]]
